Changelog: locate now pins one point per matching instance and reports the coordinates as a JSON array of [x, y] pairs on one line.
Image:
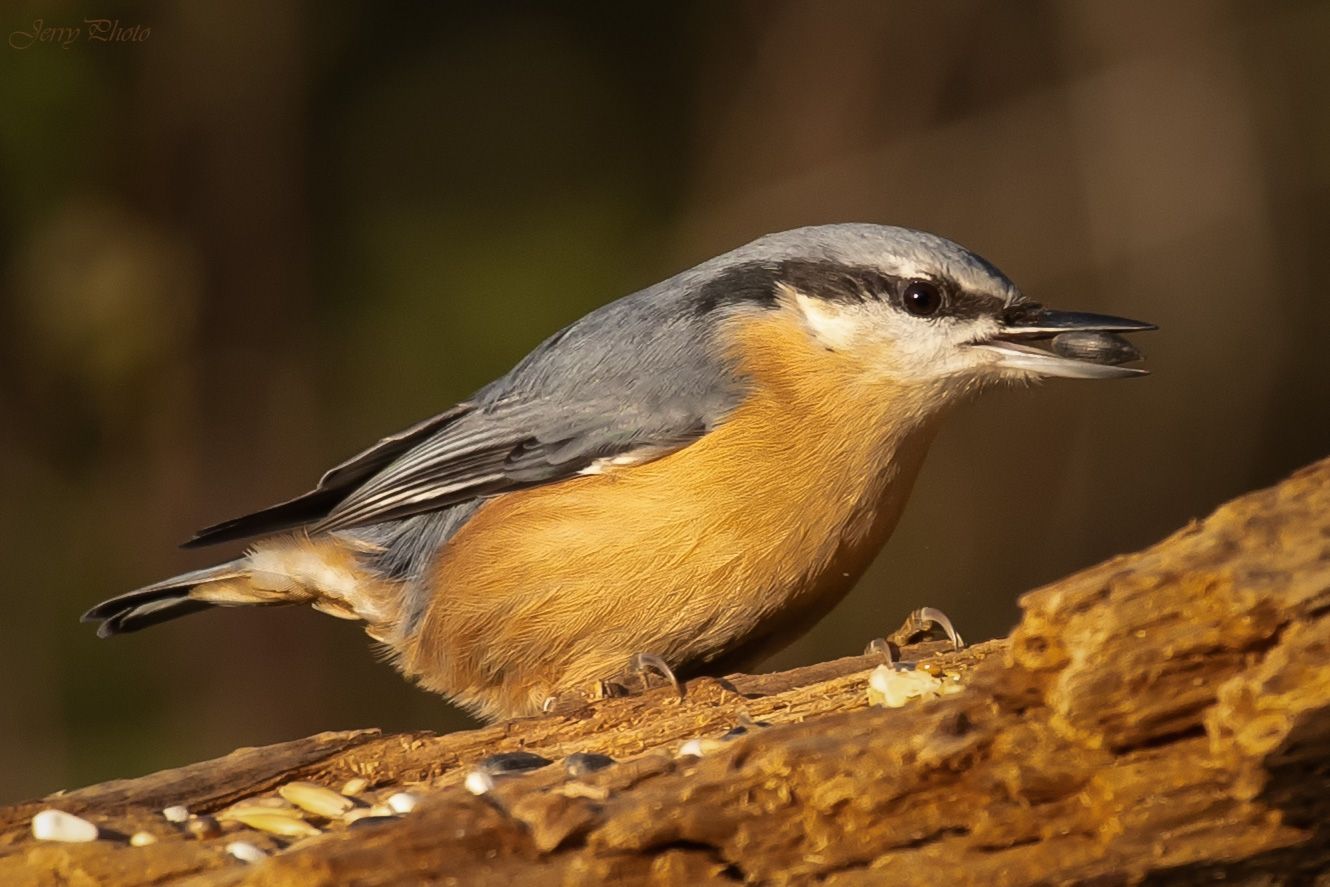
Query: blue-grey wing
[[640, 377], [332, 488]]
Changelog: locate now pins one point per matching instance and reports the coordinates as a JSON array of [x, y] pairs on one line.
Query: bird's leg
[[918, 622]]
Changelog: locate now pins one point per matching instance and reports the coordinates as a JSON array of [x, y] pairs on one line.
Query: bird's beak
[[1083, 346]]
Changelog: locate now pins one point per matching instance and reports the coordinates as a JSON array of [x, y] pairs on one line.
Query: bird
[[690, 476]]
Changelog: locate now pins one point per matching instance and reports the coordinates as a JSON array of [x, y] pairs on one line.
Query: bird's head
[[917, 310]]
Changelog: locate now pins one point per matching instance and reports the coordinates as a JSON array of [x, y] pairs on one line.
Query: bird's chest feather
[[752, 531]]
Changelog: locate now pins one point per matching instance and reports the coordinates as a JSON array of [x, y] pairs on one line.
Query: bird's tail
[[161, 601], [287, 571]]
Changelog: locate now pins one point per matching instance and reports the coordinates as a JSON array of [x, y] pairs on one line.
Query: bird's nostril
[[1021, 313]]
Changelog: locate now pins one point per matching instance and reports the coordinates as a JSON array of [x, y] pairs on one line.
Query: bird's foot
[[643, 665], [917, 623], [640, 670], [645, 669], [924, 619]]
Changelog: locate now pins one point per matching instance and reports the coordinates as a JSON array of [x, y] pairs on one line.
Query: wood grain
[[1161, 718]]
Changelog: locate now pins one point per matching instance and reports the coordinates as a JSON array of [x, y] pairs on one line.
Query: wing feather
[[334, 486], [629, 382]]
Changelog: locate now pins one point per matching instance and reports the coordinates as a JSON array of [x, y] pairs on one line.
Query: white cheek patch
[[936, 349], [897, 344], [833, 326]]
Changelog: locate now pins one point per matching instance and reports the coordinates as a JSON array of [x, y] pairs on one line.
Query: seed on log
[[316, 799], [275, 823], [478, 782], [697, 748], [237, 812], [402, 802], [581, 763], [245, 851], [355, 785], [891, 687], [513, 762], [372, 820], [271, 802], [177, 814], [142, 839], [57, 825], [203, 827], [745, 726]]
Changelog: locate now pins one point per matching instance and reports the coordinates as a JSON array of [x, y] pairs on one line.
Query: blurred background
[[244, 245]]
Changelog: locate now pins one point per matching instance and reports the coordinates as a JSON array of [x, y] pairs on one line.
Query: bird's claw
[[643, 664], [640, 666], [884, 648], [918, 622]]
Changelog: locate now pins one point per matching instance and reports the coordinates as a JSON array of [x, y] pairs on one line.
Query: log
[[1162, 718]]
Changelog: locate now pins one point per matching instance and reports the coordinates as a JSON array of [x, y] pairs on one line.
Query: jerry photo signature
[[92, 30]]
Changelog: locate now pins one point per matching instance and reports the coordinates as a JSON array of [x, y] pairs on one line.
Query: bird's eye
[[922, 298]]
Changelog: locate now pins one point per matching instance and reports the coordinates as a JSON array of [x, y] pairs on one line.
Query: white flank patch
[[624, 460], [303, 567]]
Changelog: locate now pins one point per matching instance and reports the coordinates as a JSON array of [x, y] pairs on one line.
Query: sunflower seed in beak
[[1095, 347]]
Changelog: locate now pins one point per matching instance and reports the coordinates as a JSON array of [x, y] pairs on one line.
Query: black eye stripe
[[756, 283], [967, 305]]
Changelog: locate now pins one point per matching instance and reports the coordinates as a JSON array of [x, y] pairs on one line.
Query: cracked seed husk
[[315, 799], [275, 824], [250, 808]]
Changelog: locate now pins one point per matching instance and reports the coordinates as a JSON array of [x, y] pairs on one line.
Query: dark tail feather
[[295, 513], [156, 603], [136, 616]]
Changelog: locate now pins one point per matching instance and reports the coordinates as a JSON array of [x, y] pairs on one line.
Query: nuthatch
[[697, 471]]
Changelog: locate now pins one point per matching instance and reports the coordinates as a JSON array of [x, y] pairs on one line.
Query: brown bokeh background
[[241, 249]]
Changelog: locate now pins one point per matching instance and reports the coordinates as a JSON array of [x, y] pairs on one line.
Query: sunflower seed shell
[[1105, 348]]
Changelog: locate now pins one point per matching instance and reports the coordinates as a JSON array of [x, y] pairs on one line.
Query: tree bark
[[1161, 718]]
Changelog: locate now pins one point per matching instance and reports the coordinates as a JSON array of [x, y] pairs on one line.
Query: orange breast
[[742, 538]]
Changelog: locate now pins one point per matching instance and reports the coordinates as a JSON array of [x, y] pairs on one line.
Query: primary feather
[[630, 377]]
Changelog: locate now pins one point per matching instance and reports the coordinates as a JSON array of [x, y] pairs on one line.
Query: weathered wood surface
[[1163, 718]]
